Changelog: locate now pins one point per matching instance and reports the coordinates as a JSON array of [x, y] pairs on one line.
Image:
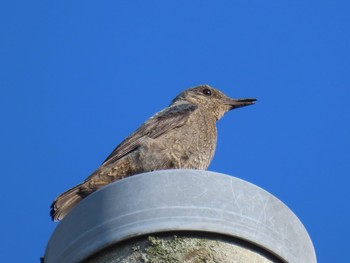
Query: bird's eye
[[207, 92]]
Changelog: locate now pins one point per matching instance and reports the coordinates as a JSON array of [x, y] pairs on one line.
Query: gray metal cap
[[180, 200]]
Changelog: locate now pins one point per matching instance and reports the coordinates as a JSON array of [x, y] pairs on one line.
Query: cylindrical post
[[180, 216]]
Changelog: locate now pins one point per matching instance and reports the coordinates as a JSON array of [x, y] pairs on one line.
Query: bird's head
[[212, 100]]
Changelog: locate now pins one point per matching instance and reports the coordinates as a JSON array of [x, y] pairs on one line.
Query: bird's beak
[[238, 103]]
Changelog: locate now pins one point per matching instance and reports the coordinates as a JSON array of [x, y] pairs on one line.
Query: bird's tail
[[65, 202]]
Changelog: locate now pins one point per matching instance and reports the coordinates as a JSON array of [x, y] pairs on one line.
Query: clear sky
[[77, 77]]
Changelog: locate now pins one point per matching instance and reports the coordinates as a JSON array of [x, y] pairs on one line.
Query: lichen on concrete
[[179, 249]]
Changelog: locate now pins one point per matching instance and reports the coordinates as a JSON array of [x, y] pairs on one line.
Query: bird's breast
[[192, 145]]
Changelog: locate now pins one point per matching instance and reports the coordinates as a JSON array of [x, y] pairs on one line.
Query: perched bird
[[181, 136]]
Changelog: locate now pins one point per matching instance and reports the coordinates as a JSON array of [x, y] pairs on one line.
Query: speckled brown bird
[[180, 136]]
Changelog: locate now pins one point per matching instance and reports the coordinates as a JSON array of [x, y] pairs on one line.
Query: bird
[[181, 136]]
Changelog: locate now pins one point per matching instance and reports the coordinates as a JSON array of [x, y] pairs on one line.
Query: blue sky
[[77, 77]]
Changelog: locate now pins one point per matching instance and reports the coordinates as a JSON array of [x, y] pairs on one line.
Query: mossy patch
[[179, 250], [175, 249]]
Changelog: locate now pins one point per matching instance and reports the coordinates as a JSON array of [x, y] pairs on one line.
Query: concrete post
[[180, 216]]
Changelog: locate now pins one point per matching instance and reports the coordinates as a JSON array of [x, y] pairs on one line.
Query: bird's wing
[[165, 120]]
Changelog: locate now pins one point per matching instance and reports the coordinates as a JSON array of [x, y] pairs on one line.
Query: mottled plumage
[[182, 135]]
